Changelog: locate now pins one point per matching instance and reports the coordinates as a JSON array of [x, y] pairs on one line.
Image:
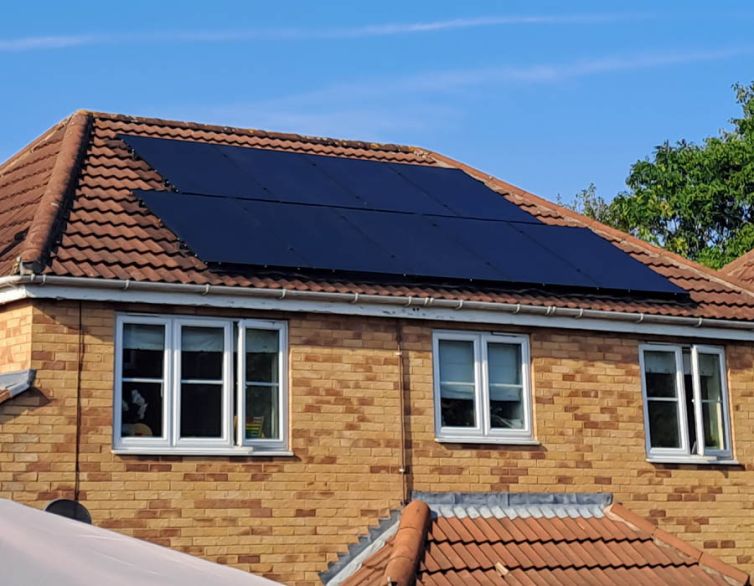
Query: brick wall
[[286, 517], [15, 337]]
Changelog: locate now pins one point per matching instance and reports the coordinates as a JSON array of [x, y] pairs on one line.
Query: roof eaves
[[61, 182]]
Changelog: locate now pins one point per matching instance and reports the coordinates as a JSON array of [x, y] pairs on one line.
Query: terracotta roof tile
[[105, 232], [741, 269], [548, 543]]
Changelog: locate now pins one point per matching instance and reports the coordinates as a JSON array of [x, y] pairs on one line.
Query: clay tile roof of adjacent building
[[67, 208], [532, 539], [14, 383], [741, 269]]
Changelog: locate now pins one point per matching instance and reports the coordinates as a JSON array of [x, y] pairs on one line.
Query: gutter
[[38, 282]]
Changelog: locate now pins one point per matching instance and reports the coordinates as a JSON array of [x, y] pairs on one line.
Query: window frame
[[684, 453], [483, 432], [226, 384], [233, 441], [282, 329]]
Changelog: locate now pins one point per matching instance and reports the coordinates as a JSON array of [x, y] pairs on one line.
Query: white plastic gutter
[[40, 281]]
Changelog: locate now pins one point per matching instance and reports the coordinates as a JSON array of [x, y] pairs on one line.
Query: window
[[200, 385], [685, 402], [482, 388]]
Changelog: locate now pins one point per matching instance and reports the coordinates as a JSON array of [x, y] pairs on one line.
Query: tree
[[590, 204], [695, 200]]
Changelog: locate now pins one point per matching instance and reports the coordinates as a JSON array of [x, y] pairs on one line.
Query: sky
[[550, 96]]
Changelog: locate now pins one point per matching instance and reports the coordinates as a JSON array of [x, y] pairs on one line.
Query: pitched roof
[[741, 269], [487, 539], [67, 209]]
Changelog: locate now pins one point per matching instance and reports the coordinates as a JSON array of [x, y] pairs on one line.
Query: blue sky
[[547, 95]]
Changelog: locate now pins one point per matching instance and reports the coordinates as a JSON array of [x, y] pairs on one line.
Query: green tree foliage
[[695, 200]]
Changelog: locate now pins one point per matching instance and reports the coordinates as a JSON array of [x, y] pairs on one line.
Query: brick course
[[286, 517]]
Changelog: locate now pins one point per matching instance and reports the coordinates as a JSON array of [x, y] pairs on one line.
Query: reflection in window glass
[[202, 352], [710, 384], [457, 383], [506, 390], [662, 396], [262, 384], [142, 401]]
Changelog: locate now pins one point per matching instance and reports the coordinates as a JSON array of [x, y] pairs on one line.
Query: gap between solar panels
[[281, 210]]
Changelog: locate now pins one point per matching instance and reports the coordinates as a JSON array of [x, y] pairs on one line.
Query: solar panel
[[267, 208], [466, 196], [607, 264], [253, 173], [300, 236]]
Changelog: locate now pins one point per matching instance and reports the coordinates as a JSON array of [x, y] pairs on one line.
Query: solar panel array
[[275, 209]]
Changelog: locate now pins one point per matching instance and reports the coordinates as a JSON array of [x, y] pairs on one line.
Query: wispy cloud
[[367, 107], [42, 43], [37, 43], [432, 82]]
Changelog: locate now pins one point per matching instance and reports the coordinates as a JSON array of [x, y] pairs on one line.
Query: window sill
[[695, 460], [239, 452], [504, 441]]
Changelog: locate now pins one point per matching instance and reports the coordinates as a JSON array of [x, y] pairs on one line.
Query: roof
[[42, 548], [495, 539], [67, 208], [741, 269], [14, 383]]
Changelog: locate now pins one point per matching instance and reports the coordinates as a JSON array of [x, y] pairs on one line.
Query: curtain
[[262, 341], [658, 362], [143, 337], [200, 339]]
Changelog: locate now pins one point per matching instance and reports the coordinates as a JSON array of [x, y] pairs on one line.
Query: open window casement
[[685, 402]]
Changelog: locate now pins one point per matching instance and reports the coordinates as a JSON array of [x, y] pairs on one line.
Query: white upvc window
[[685, 393], [482, 387], [193, 385]]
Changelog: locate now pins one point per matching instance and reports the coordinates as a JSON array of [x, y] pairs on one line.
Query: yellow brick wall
[[286, 517], [15, 338]]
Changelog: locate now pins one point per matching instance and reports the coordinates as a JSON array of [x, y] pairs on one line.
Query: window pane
[[202, 353], [201, 410], [262, 412], [456, 361], [143, 350], [262, 356], [506, 408], [714, 436], [709, 377], [457, 383], [663, 424], [458, 412], [688, 382], [504, 363], [141, 409], [660, 373]]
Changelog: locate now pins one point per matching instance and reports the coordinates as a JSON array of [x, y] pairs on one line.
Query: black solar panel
[[303, 178], [283, 210], [299, 236]]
